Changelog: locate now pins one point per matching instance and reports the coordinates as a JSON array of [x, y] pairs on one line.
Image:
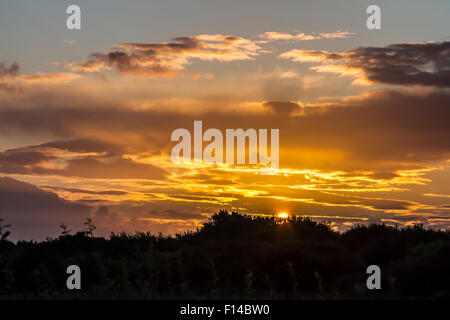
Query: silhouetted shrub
[[233, 256]]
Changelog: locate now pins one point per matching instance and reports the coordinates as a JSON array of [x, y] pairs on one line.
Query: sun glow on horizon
[[283, 215]]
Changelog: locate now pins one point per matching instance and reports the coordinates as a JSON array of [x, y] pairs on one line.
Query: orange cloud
[[310, 55], [10, 81], [51, 78], [336, 35], [170, 58], [273, 36]]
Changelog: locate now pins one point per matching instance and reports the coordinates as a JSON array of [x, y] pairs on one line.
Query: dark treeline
[[234, 256]]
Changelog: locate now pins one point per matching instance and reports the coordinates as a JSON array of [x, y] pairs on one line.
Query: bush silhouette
[[234, 256]]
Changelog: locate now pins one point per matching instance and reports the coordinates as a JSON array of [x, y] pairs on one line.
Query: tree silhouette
[[64, 231], [3, 233], [90, 227]]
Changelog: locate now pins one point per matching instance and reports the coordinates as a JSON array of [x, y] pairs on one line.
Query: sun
[[283, 215]]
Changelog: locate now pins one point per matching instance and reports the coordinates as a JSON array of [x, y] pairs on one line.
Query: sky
[[86, 115]]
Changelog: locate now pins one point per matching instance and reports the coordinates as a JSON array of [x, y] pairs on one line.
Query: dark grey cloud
[[85, 145], [425, 64], [419, 63], [6, 74], [75, 190], [22, 157], [282, 107], [383, 130], [34, 213], [12, 70], [102, 211], [100, 161]]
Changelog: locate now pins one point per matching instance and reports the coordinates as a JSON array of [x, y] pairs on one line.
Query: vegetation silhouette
[[3, 233], [233, 256]]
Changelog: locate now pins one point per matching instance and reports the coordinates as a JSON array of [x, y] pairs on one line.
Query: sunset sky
[[86, 115]]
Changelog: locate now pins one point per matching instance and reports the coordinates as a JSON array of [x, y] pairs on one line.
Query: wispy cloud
[[300, 36], [273, 35], [52, 78], [11, 81], [311, 55], [336, 35]]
